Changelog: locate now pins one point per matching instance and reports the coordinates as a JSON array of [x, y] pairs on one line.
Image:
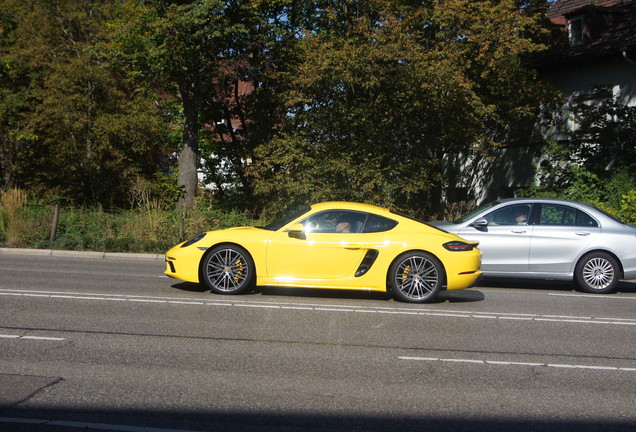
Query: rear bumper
[[464, 281]]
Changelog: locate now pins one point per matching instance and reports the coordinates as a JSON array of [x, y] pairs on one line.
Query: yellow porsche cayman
[[335, 245]]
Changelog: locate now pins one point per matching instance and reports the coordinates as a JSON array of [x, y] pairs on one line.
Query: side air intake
[[367, 262]]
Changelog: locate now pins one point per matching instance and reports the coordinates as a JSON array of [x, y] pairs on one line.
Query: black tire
[[416, 277], [228, 269], [597, 273]]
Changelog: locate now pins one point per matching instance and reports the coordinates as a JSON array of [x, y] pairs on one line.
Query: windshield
[[279, 223], [470, 214]]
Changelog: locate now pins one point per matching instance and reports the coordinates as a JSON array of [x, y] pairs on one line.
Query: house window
[[575, 31]]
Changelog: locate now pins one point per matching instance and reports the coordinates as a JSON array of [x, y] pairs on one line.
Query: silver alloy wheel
[[227, 270], [598, 273], [416, 278]]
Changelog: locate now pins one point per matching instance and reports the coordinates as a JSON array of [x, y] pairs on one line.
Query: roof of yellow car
[[345, 205]]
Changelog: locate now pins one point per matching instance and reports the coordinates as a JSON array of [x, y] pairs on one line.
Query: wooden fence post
[[56, 220]]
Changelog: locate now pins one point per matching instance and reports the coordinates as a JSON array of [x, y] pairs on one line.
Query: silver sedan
[[551, 239]]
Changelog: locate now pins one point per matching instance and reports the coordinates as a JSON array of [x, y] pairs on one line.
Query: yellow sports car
[[335, 245]]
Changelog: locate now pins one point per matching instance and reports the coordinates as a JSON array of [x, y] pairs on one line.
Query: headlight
[[193, 241]]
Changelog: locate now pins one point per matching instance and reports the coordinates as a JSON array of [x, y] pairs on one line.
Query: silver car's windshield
[[470, 214]]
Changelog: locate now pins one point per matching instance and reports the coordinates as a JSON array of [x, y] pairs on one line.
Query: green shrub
[[143, 229], [627, 212]]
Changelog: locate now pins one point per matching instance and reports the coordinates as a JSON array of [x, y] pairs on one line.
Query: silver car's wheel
[[416, 277], [597, 273], [227, 269]]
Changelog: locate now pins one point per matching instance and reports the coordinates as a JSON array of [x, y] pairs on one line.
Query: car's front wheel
[[597, 272], [416, 277], [228, 269]]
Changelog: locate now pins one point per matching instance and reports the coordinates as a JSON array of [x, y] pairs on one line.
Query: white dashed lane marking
[[524, 364], [42, 338], [405, 311]]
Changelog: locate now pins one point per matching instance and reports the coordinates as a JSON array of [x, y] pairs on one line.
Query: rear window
[[377, 223], [562, 215]]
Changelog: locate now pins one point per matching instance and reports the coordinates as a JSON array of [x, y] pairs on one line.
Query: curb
[[82, 254]]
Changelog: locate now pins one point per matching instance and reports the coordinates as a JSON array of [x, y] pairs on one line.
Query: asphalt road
[[88, 343]]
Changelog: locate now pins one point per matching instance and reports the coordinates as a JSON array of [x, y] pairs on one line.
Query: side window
[[585, 220], [335, 221], [511, 215], [377, 224], [553, 214]]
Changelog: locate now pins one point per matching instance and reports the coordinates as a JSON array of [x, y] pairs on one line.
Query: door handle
[[518, 231], [352, 246], [582, 234]]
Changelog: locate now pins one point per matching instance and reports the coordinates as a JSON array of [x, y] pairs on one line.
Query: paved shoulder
[[81, 254]]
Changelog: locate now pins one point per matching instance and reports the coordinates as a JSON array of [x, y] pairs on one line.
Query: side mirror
[[297, 231], [479, 223]]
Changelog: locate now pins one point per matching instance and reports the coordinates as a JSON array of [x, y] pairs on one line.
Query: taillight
[[458, 246]]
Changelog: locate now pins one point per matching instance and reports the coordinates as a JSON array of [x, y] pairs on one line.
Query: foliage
[[627, 212], [383, 91], [597, 161], [93, 229], [79, 131], [274, 103], [200, 53], [12, 203]]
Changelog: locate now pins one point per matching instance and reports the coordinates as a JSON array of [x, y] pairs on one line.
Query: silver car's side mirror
[[479, 223]]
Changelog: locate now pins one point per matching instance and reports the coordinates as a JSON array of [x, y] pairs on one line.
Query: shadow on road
[[14, 420], [462, 296], [552, 285]]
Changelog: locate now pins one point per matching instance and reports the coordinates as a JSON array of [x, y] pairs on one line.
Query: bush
[[627, 212], [140, 230]]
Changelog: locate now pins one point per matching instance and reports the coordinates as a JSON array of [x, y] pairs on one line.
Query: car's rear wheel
[[416, 277], [228, 269], [597, 272]]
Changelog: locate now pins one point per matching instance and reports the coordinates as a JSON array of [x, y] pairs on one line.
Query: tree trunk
[[188, 158]]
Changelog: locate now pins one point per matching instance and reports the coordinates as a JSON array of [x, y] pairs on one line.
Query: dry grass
[[12, 202]]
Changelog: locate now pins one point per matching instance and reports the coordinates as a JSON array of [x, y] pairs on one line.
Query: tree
[[84, 133], [597, 161], [14, 83], [192, 49], [386, 90], [244, 109]]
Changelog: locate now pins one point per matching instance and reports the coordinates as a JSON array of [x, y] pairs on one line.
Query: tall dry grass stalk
[[12, 201]]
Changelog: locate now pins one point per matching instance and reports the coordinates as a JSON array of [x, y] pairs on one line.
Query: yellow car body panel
[[329, 259]]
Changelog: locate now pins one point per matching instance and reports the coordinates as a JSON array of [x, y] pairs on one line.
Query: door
[[560, 235], [331, 248], [505, 241]]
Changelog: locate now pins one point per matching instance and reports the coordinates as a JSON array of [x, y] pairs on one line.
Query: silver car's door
[[505, 241], [561, 234]]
